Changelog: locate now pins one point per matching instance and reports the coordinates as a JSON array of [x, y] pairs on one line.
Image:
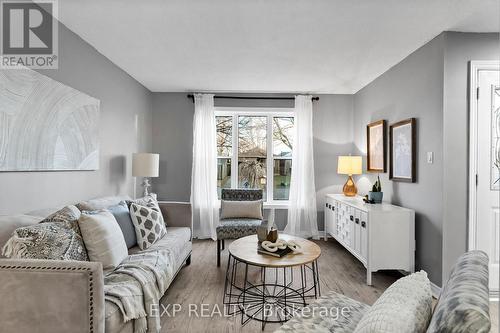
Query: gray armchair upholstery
[[237, 228]]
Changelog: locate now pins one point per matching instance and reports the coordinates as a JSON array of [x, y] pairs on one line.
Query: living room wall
[[431, 84], [125, 127], [173, 139], [412, 88]]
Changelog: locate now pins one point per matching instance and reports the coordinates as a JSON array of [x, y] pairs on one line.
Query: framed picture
[[376, 141], [402, 151]]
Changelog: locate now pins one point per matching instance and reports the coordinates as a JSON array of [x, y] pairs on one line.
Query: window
[[251, 145]]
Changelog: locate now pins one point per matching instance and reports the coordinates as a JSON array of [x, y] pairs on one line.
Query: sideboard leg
[[368, 277]]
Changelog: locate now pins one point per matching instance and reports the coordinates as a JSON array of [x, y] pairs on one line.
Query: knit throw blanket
[[137, 285]]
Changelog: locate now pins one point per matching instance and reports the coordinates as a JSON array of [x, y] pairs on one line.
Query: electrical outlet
[[430, 157]]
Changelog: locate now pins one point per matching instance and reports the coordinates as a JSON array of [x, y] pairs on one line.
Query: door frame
[[475, 66]]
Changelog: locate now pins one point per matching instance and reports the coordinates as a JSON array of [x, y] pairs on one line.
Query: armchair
[[235, 228]]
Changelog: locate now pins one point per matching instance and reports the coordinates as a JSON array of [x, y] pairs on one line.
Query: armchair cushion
[[241, 209], [236, 228]]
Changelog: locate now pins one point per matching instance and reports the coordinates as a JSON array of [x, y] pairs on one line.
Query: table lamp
[[349, 165], [145, 165]]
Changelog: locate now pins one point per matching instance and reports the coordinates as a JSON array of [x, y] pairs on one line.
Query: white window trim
[[234, 112]]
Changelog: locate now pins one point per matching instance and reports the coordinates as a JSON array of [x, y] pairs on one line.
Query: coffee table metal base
[[274, 296]]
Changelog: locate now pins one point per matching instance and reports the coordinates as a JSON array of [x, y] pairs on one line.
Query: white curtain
[[204, 174], [302, 214]]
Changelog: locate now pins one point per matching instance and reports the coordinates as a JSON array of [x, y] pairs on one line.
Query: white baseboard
[[436, 291]]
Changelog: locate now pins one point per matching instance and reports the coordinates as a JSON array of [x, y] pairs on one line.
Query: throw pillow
[[406, 306], [103, 238], [149, 201], [122, 216], [57, 237], [148, 226], [241, 209]]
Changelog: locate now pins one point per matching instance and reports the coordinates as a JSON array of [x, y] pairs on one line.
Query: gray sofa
[[463, 306], [67, 296]]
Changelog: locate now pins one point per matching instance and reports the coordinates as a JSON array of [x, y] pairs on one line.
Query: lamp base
[[350, 189], [146, 184]]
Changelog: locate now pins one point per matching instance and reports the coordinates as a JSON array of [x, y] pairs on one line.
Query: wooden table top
[[245, 249]]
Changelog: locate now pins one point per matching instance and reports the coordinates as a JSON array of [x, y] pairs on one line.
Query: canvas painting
[[495, 139], [402, 151], [376, 143], [46, 125]]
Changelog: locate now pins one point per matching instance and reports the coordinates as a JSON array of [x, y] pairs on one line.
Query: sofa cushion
[[9, 223], [57, 237], [463, 305], [233, 229], [122, 216], [241, 209], [406, 306], [103, 238], [311, 320], [101, 203], [177, 239], [149, 201], [148, 225]]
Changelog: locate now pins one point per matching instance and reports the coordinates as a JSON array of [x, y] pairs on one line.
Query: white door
[[487, 147]]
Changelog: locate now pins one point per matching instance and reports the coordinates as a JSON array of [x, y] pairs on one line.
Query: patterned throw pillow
[[57, 237], [148, 226], [406, 306], [149, 201]]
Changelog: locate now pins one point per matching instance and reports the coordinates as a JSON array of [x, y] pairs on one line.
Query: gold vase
[[350, 189]]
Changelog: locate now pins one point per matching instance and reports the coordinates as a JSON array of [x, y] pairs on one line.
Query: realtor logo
[[28, 34]]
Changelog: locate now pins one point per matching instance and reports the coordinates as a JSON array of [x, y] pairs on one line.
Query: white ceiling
[[320, 46]]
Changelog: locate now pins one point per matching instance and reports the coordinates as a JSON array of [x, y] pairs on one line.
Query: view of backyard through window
[[245, 156]]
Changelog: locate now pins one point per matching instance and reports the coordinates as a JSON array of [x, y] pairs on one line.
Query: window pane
[[252, 152], [252, 137], [223, 174], [252, 173], [282, 136], [224, 136], [282, 173]]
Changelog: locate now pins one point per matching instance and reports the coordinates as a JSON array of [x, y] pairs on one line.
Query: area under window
[[251, 146]]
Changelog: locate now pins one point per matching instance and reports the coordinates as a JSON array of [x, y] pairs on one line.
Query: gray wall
[[123, 102], [460, 48], [173, 139], [412, 88]]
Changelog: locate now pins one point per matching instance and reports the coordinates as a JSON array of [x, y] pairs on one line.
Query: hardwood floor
[[201, 284]]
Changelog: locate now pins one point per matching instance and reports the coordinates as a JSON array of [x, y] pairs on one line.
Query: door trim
[[475, 66]]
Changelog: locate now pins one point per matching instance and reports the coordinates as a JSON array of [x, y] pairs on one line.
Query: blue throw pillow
[[122, 216]]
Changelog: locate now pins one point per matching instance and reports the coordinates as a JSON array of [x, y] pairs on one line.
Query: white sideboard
[[381, 236]]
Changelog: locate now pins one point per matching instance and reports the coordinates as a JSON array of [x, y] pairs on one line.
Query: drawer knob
[[333, 207], [356, 220], [326, 205], [351, 218], [363, 224]]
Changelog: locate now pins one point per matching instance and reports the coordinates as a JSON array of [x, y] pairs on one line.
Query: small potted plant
[[376, 194]]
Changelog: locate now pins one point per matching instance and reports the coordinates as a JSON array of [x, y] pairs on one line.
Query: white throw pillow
[[241, 209], [149, 226], [406, 306], [103, 238]]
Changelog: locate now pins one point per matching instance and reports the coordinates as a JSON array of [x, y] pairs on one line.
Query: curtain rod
[[191, 96]]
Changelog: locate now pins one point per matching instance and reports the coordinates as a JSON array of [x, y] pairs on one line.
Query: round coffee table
[[267, 288]]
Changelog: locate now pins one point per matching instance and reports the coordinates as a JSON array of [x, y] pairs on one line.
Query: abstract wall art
[[402, 151], [376, 141], [46, 125]]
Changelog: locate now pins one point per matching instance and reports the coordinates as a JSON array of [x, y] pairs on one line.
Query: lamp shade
[[349, 165], [145, 165]]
